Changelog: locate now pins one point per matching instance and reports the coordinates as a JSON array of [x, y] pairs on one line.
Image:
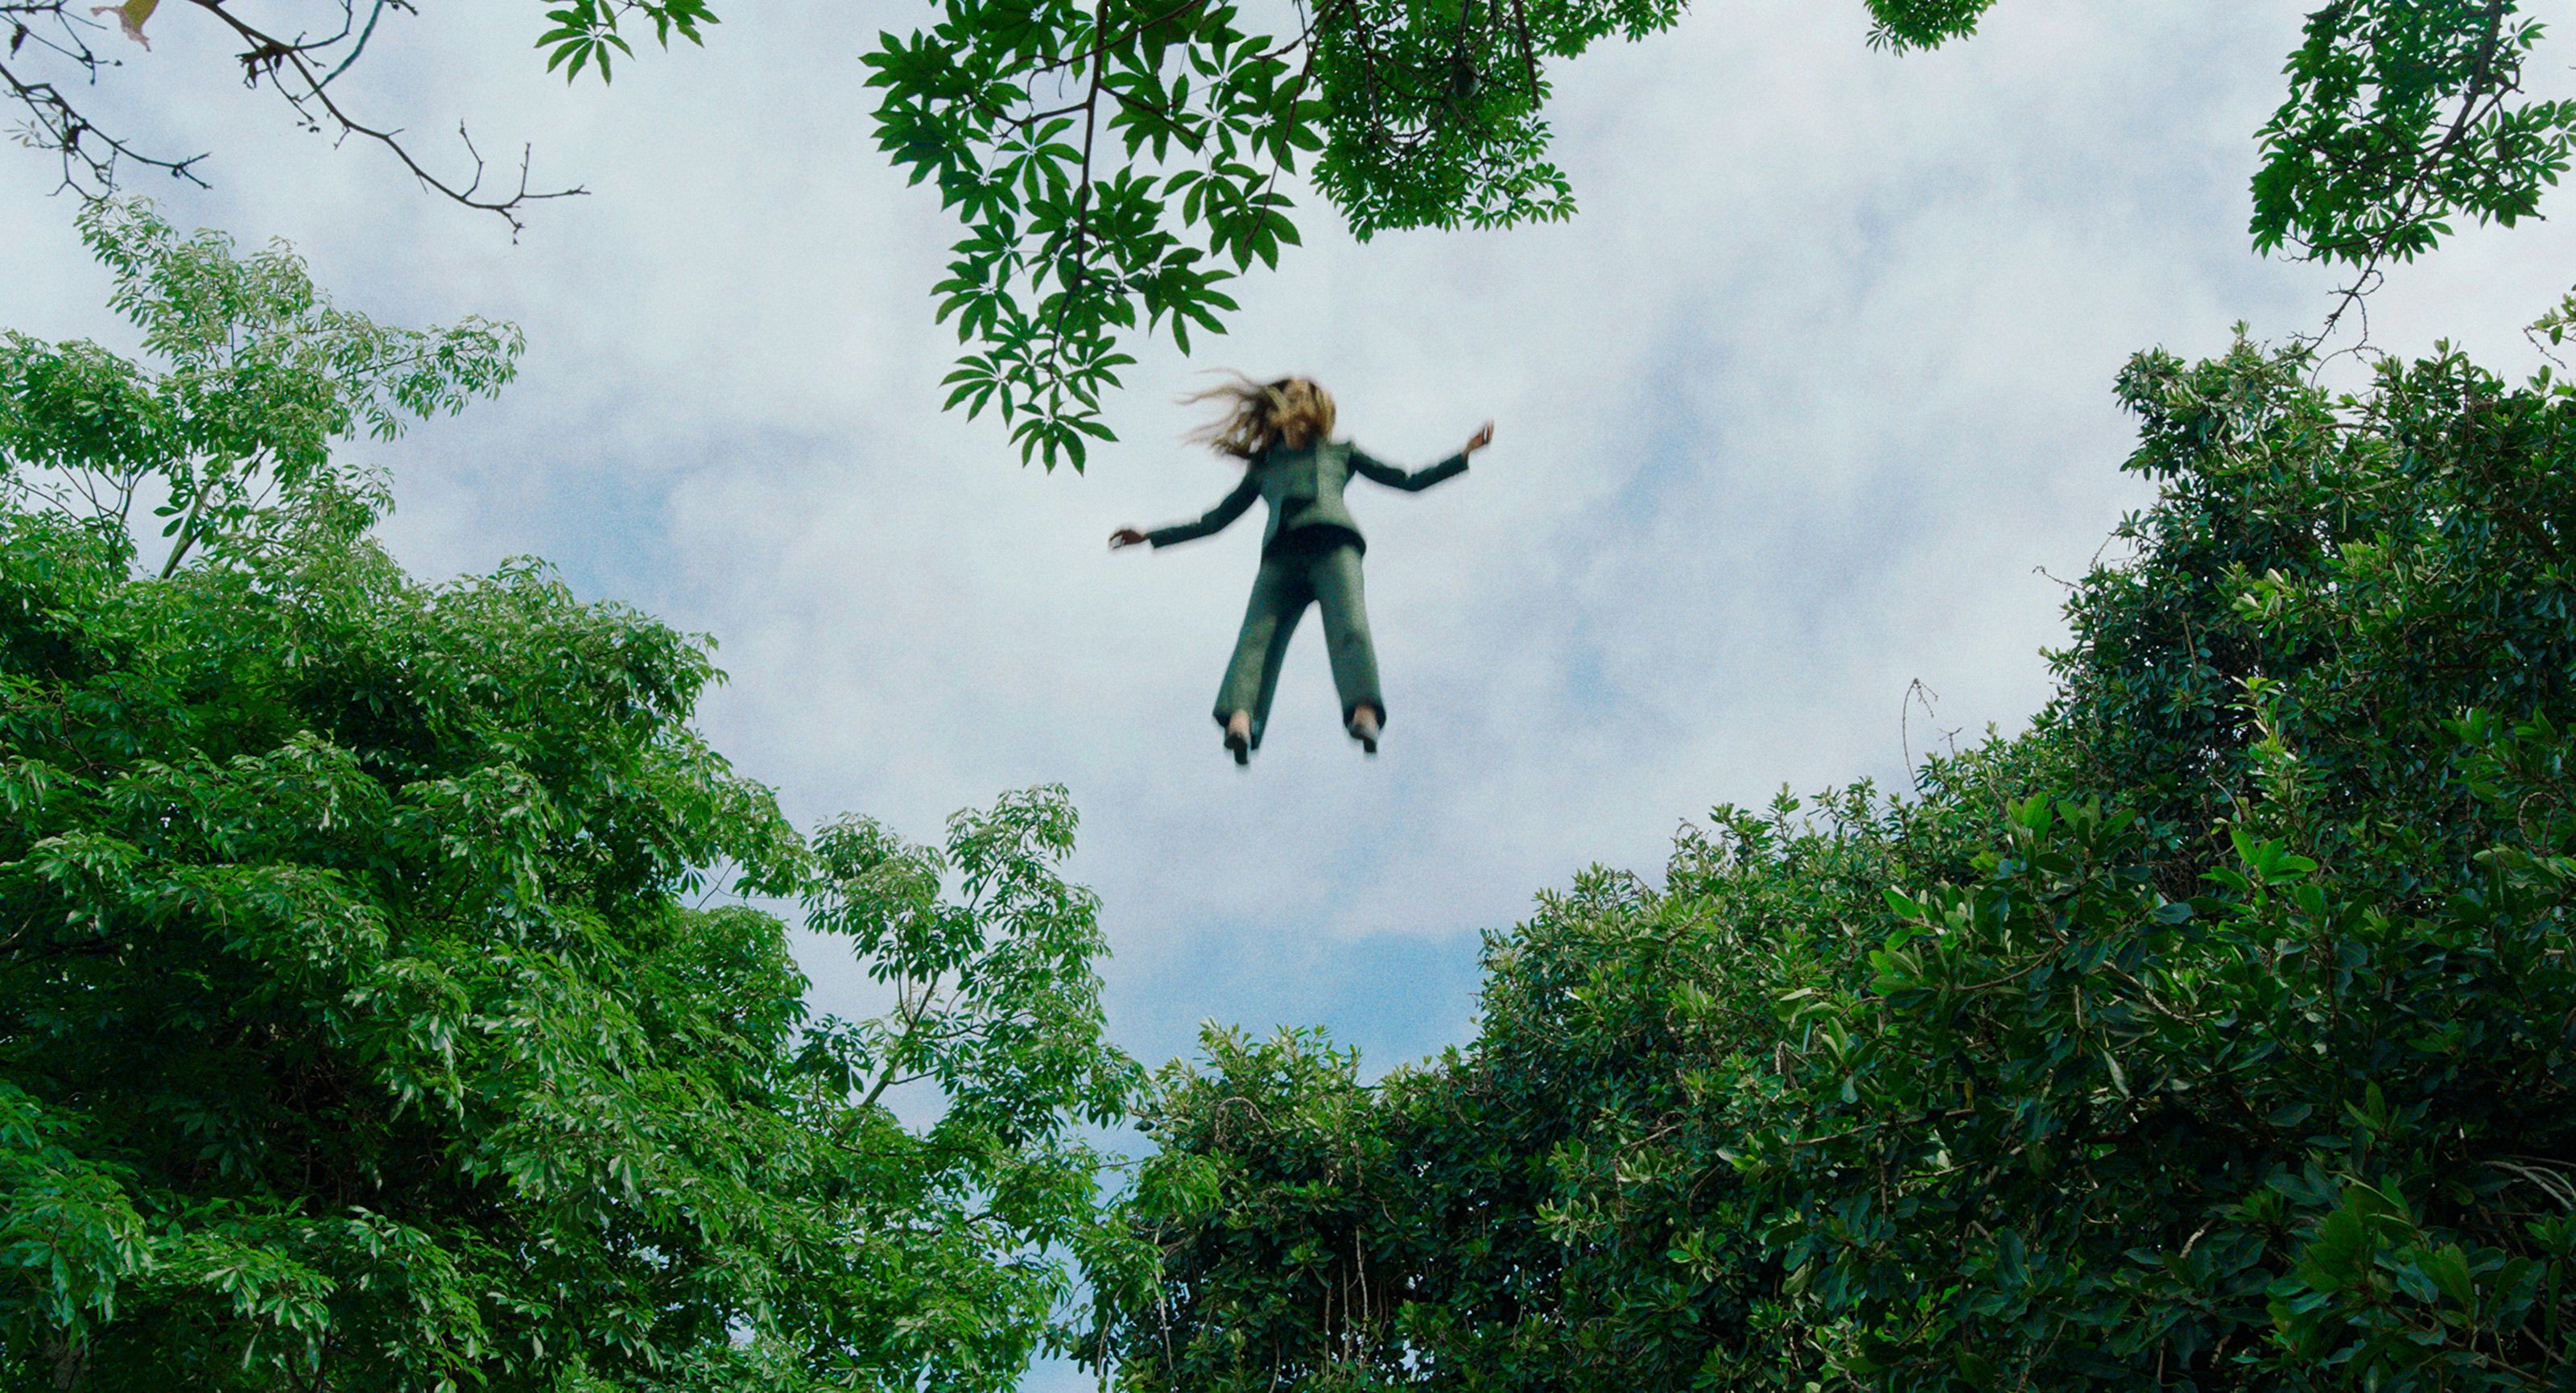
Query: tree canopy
[[261, 376], [380, 1005], [2215, 1034]]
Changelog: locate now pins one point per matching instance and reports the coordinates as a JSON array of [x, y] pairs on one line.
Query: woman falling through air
[[1282, 431]]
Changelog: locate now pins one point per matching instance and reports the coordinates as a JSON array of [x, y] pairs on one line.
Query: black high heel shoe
[[1364, 729], [1241, 745]]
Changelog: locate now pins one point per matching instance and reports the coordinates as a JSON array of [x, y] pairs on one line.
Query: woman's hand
[[1483, 437], [1125, 537]]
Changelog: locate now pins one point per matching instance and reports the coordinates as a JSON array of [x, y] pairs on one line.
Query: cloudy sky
[[1806, 406]]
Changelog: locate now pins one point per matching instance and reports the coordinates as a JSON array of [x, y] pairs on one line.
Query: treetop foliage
[[378, 1003], [2214, 1034], [261, 375]]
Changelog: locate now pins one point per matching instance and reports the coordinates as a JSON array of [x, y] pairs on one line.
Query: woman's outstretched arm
[[1213, 520], [1414, 481]]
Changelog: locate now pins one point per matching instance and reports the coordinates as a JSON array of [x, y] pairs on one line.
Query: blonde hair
[[1258, 415]]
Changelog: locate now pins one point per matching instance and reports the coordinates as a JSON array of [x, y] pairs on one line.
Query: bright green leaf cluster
[[260, 375], [2402, 115], [585, 31], [1115, 165], [1902, 25]]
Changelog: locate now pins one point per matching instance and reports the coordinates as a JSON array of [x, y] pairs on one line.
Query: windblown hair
[[1258, 415]]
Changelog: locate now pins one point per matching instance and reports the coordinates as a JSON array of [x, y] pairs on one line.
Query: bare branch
[[90, 156], [288, 70], [299, 69]]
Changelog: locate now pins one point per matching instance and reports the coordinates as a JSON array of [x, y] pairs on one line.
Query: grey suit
[[1310, 553]]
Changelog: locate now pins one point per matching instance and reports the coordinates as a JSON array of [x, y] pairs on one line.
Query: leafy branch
[[2401, 117], [1114, 165], [260, 376]]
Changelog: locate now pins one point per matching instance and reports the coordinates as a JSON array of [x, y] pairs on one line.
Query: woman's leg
[[1279, 599], [1335, 576]]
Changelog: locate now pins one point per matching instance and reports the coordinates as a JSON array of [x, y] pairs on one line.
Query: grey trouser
[[1293, 577]]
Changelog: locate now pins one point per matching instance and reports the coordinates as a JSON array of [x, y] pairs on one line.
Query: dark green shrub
[[2214, 1034]]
